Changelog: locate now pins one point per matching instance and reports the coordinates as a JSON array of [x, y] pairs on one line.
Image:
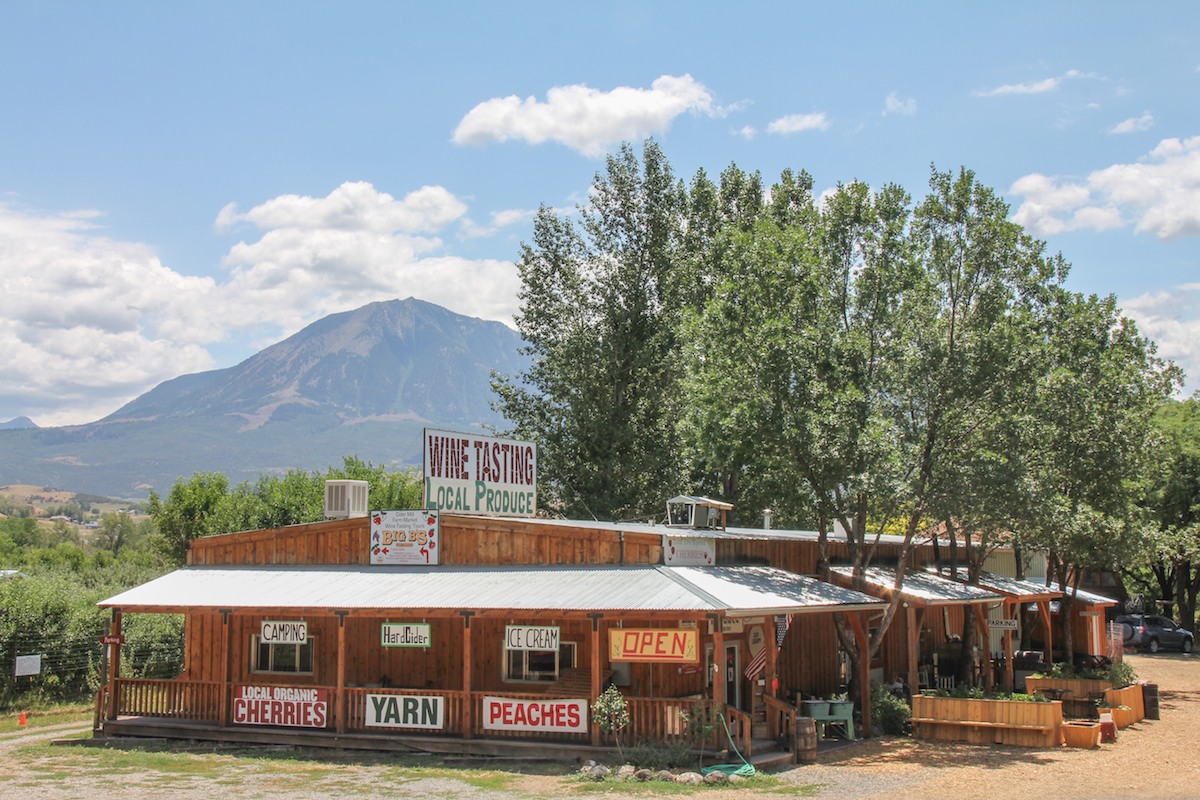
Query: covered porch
[[427, 658]]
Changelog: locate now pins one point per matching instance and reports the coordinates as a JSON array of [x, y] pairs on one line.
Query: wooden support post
[[468, 702], [861, 638], [1044, 613], [914, 647], [597, 674], [341, 672], [770, 670], [1011, 611], [226, 655], [114, 664], [985, 638], [718, 635]]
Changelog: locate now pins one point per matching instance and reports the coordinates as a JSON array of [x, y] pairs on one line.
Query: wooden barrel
[[804, 740], [1150, 699]]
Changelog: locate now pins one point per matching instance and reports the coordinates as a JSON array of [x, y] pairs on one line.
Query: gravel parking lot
[[1152, 759]]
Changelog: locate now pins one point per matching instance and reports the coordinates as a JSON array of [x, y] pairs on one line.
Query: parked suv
[[1152, 633]]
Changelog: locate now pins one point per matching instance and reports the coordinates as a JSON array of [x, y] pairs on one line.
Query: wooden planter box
[[1081, 734], [1077, 694], [1014, 722], [1130, 696]]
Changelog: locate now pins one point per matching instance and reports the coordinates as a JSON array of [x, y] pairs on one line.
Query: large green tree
[[600, 297]]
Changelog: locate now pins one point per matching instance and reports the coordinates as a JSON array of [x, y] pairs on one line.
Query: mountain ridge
[[361, 382]]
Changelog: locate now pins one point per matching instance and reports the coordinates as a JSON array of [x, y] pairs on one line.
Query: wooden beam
[[718, 636], [596, 674], [1044, 612], [114, 664], [863, 641], [914, 647], [1011, 611], [341, 672], [469, 704], [226, 655], [985, 639]]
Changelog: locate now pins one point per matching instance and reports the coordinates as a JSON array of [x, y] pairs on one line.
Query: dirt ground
[[1152, 759]]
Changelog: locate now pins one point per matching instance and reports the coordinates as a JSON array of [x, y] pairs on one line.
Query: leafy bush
[[889, 713], [660, 755]]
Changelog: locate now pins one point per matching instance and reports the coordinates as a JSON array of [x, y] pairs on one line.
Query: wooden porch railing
[[201, 701], [740, 725], [781, 717], [194, 700]]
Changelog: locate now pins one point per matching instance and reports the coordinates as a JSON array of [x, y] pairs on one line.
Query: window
[[538, 665], [292, 659]]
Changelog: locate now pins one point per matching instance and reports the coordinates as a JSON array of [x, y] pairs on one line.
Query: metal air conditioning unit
[[344, 499], [702, 513]]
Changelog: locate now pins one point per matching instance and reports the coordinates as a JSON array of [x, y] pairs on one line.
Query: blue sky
[[183, 184]]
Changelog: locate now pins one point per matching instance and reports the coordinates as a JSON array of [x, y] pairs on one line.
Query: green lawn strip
[[61, 715], [755, 786]]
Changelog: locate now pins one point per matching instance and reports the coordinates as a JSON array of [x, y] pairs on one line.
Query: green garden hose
[[745, 769]]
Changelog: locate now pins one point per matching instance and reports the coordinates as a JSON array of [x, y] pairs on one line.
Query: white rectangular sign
[[404, 537], [480, 474], [396, 634], [512, 714], [686, 551], [405, 711], [531, 637], [1002, 624], [27, 665], [277, 632]]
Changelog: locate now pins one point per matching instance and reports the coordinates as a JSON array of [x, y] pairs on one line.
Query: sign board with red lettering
[[404, 537], [512, 714], [290, 706], [688, 551], [480, 474], [653, 645]]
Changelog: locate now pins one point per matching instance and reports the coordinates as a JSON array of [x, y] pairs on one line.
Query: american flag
[[782, 623]]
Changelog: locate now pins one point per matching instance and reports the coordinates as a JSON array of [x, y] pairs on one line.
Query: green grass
[[54, 715], [169, 766]]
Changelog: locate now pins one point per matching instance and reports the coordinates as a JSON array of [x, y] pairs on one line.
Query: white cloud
[[88, 323], [894, 104], [500, 220], [798, 123], [353, 206], [1143, 123], [1172, 320], [1159, 194], [1032, 87], [586, 119], [747, 132]]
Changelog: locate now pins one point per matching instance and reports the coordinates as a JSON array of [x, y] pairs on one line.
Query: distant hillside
[[20, 423], [361, 383]]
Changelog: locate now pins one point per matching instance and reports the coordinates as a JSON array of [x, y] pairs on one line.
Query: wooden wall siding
[[465, 541], [809, 663]]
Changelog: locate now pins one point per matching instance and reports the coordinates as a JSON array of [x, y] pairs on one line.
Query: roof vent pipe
[[767, 514]]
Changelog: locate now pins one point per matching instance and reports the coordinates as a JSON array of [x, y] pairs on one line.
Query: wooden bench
[[977, 724]]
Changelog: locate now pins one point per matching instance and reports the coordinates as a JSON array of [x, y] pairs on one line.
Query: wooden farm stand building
[[507, 641], [422, 657]]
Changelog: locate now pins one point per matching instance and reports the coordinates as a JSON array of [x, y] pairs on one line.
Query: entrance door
[[733, 676]]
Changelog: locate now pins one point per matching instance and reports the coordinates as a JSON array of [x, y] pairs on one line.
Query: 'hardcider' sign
[[405, 711], [480, 474], [292, 706], [404, 537], [653, 645], [395, 634], [511, 714]]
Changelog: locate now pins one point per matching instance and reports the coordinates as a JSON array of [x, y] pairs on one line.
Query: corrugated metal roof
[[1091, 598], [567, 588], [1025, 590], [923, 587]]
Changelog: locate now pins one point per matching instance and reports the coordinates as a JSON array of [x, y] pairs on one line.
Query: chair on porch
[[945, 682]]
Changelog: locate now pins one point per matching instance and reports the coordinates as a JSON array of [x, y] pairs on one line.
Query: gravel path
[[1152, 759]]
